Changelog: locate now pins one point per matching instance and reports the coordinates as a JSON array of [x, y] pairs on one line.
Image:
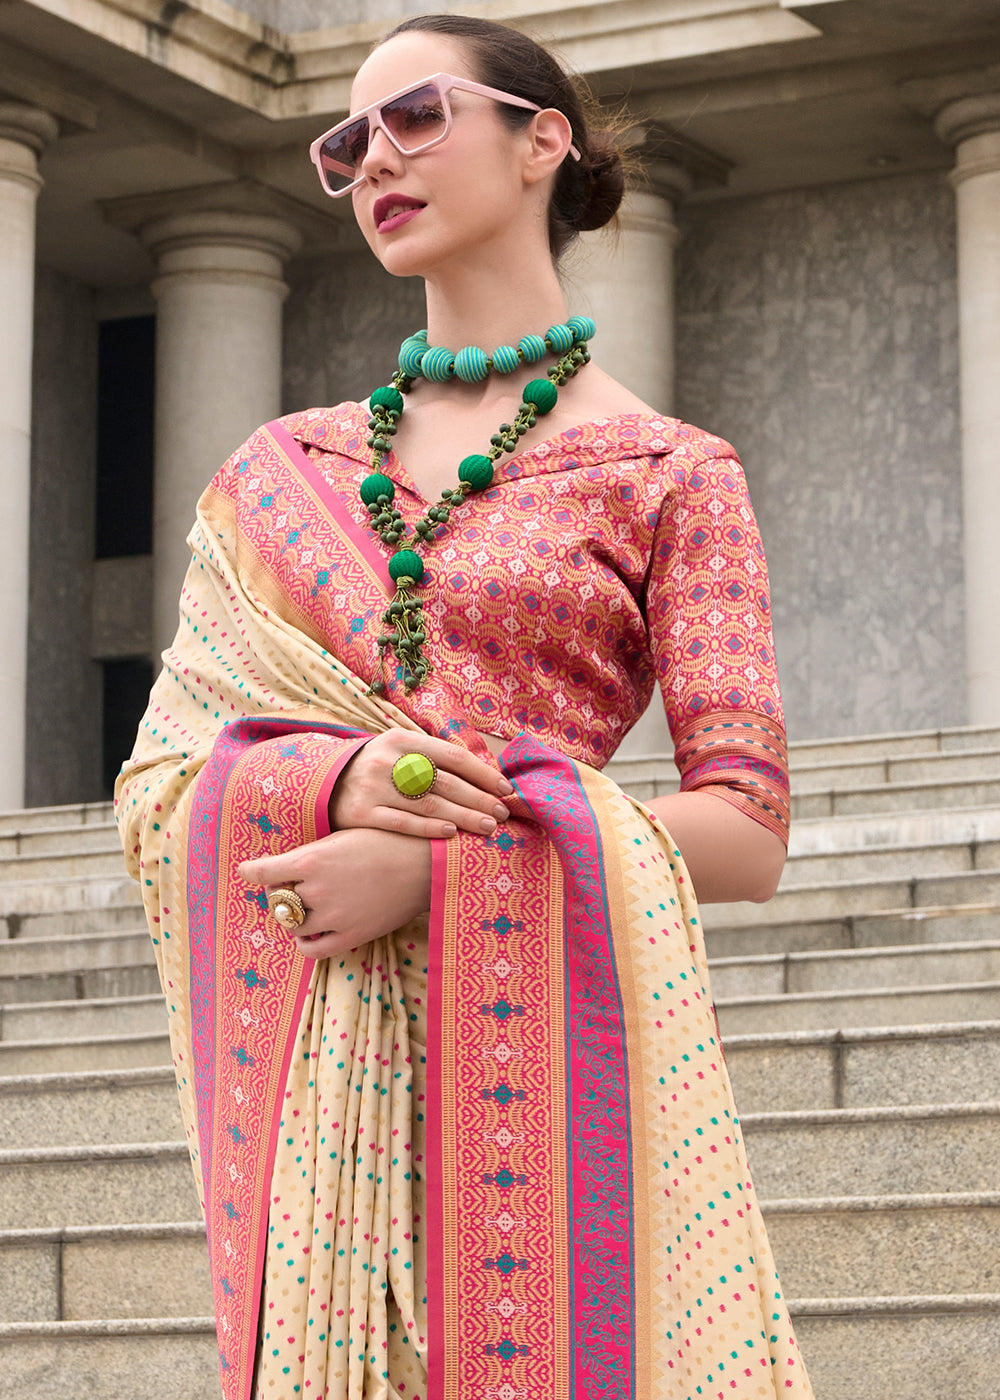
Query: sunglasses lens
[[417, 118], [343, 151]]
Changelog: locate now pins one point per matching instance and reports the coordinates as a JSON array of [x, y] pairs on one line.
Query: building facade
[[810, 268]]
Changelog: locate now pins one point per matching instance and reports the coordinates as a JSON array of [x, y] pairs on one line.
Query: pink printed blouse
[[619, 553]]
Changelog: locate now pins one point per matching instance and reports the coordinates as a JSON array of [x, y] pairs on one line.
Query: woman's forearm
[[728, 854]]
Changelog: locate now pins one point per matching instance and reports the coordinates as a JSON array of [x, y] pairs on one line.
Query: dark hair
[[588, 191]]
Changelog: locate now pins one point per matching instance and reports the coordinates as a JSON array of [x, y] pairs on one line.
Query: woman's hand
[[467, 792], [356, 886]]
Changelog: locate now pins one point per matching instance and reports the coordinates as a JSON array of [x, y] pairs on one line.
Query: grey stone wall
[[344, 320], [64, 685], [817, 332]]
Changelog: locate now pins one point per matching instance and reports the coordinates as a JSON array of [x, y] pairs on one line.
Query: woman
[[490, 1150]]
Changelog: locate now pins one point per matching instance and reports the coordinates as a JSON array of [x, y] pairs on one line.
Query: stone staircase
[[861, 1010]]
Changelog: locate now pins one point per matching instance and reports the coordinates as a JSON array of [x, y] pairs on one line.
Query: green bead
[[559, 339], [582, 327], [505, 359], [477, 471], [374, 486], [438, 364], [542, 393], [533, 349], [387, 397], [471, 365], [406, 563], [413, 774], [411, 354]]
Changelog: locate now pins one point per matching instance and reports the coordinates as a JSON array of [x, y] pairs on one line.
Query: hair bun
[[605, 176]]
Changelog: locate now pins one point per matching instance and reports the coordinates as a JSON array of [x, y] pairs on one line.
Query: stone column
[[219, 292], [972, 125], [24, 133], [626, 283]]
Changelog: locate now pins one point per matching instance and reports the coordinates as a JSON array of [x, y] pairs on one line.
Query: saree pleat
[[493, 1155]]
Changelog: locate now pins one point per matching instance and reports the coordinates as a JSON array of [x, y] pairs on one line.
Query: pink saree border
[[247, 992], [531, 1281]]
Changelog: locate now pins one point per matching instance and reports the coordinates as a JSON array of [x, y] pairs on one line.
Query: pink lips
[[393, 210]]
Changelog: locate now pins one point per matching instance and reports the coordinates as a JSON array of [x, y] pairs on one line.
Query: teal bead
[[411, 354], [560, 339], [387, 397], [471, 365], [406, 563], [505, 359], [533, 349], [477, 471], [582, 327], [420, 335], [542, 393], [374, 486], [438, 364]]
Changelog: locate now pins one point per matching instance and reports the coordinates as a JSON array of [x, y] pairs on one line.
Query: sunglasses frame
[[445, 83]]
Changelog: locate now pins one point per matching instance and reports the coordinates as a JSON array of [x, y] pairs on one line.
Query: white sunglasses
[[414, 119]]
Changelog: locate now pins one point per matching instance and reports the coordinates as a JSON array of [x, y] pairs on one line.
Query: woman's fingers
[[271, 871], [467, 792], [452, 758]]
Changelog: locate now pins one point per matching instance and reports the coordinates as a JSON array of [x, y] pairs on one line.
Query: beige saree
[[493, 1155]]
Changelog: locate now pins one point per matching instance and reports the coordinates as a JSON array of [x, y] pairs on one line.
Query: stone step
[[45, 818], [76, 1273], [894, 862], [96, 1185], [909, 1348], [930, 924], [887, 1244], [805, 752], [81, 986], [106, 1360], [57, 841], [82, 1107], [921, 1148], [897, 1006], [935, 794], [839, 899], [74, 1020], [78, 952], [910, 769], [19, 1057], [21, 925], [66, 865], [864, 1068], [771, 974], [68, 895], [970, 826]]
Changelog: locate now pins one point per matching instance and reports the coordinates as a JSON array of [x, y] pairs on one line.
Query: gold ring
[[287, 907], [413, 775]]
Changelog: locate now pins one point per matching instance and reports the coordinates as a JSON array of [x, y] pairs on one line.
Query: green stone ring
[[413, 775]]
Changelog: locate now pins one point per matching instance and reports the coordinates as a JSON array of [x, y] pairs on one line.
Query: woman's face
[[456, 201]]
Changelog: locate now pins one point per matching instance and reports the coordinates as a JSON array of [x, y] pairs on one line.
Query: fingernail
[[450, 830], [488, 824], [500, 812], [504, 788]]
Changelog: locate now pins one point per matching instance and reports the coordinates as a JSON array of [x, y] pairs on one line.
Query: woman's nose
[[381, 153]]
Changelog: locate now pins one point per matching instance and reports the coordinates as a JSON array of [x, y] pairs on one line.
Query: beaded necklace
[[403, 633]]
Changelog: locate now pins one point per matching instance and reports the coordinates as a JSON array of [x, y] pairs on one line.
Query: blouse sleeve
[[709, 616]]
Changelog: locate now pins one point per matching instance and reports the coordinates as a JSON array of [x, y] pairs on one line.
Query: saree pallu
[[494, 1154]]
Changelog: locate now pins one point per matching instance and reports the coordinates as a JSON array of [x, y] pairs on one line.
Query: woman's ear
[[550, 136]]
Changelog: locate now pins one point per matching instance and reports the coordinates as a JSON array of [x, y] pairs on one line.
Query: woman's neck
[[490, 310]]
